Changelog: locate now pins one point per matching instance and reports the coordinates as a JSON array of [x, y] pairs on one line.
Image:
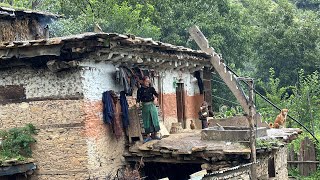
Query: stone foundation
[[72, 142], [280, 164]]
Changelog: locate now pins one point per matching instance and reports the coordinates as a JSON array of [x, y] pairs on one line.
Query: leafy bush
[[226, 112], [303, 104], [16, 142]]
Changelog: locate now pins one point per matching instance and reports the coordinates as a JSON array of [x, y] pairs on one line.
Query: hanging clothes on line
[[117, 130], [124, 109], [123, 79], [111, 114], [108, 111], [138, 72], [131, 79]]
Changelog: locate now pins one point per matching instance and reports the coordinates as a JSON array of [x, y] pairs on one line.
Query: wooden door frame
[[181, 104]]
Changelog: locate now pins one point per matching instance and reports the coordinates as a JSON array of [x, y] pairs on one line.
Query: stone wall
[[73, 142], [280, 164], [280, 159], [19, 29], [61, 148], [42, 83]]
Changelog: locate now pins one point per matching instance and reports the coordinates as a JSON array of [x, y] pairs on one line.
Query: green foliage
[[226, 112], [267, 143], [274, 92], [254, 35], [302, 104], [111, 15], [16, 142]]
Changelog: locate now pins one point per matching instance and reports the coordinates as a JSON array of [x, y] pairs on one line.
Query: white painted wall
[[41, 83], [169, 77], [91, 81], [98, 78]]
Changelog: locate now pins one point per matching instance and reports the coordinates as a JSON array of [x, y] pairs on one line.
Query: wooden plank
[[309, 155], [165, 160], [291, 157], [134, 129], [300, 158], [180, 99], [200, 39], [220, 68], [304, 162]]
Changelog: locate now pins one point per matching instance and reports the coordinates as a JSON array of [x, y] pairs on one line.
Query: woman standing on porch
[[147, 95]]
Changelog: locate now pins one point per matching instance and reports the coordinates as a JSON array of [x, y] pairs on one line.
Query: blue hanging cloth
[[124, 109], [108, 111]]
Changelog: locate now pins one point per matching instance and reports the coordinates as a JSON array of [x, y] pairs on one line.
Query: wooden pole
[[252, 132]]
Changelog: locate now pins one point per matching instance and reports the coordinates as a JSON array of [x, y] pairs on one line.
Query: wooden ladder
[[226, 75]]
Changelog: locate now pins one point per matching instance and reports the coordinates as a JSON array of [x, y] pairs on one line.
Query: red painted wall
[[192, 105]]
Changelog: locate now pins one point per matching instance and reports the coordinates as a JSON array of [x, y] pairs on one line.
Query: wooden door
[[180, 104]]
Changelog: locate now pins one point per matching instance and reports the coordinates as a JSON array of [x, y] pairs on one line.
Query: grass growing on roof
[[267, 143]]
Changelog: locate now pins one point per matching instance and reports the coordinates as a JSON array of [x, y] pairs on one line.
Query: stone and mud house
[[57, 85]]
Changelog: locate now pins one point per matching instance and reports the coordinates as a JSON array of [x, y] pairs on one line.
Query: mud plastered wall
[[104, 150], [280, 160], [14, 29], [280, 164], [42, 83], [61, 149], [193, 99]]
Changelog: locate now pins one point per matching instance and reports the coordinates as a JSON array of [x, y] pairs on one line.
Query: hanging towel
[[124, 109], [116, 126], [108, 111], [197, 75]]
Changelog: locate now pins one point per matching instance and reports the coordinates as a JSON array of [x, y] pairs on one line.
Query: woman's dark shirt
[[145, 94]]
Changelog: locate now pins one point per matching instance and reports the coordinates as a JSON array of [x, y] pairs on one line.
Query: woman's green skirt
[[150, 117]]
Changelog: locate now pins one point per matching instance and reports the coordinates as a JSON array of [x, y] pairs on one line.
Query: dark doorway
[[271, 168], [181, 104], [155, 171]]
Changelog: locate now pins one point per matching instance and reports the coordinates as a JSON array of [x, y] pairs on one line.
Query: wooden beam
[[201, 40], [171, 160], [182, 65], [165, 65], [302, 162], [252, 132]]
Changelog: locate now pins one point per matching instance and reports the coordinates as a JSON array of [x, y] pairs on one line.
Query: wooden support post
[[252, 132]]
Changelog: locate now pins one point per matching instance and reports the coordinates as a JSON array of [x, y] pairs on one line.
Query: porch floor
[[187, 147]]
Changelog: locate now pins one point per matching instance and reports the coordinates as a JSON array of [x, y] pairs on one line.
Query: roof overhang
[[115, 48], [6, 12]]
